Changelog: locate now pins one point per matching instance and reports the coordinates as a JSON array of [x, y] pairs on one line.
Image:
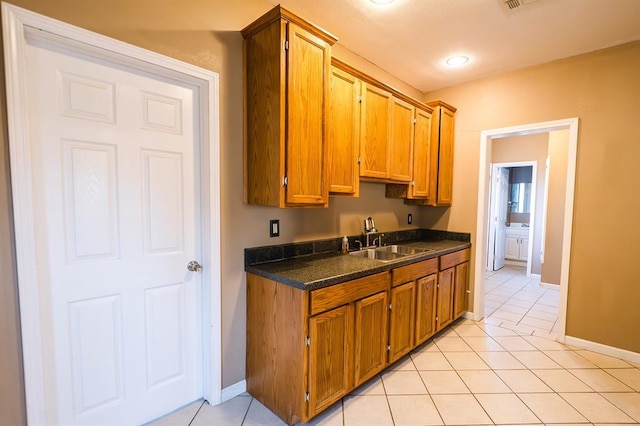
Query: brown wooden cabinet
[[401, 320], [401, 141], [330, 357], [441, 155], [444, 299], [426, 307], [371, 336], [453, 282], [375, 128], [344, 133], [418, 187], [286, 81], [308, 349], [461, 285]]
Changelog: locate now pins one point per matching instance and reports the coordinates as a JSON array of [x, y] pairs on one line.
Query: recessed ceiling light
[[456, 61], [381, 1]]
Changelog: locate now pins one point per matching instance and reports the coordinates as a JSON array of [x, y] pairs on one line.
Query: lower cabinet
[[330, 357], [308, 349], [370, 337], [401, 320]]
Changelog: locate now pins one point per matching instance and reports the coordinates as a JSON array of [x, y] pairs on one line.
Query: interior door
[[116, 222], [502, 189]]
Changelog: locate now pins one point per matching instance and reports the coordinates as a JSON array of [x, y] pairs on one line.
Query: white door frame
[[486, 137], [16, 23], [532, 203]]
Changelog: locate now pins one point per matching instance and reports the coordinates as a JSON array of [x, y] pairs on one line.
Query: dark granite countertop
[[321, 270]]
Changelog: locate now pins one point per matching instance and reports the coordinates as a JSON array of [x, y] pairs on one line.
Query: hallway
[[517, 302]]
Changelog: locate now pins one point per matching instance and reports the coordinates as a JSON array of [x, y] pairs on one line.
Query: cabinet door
[[461, 283], [370, 337], [308, 71], [374, 132], [523, 252], [444, 304], [445, 160], [421, 163], [401, 320], [401, 141], [330, 357], [425, 307], [512, 249], [344, 133]]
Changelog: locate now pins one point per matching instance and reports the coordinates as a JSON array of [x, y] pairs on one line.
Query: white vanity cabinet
[[517, 244]]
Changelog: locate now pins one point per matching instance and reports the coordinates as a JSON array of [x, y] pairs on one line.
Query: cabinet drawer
[[350, 291], [412, 272], [453, 259]]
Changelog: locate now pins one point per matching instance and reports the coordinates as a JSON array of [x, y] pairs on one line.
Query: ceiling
[[411, 38]]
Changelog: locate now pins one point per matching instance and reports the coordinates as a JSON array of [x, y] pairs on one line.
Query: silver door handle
[[194, 266]]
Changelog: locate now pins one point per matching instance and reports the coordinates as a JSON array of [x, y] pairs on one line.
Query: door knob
[[194, 266]]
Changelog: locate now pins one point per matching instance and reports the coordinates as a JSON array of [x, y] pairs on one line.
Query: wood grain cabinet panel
[[401, 321], [286, 81], [344, 134], [401, 141], [425, 308], [370, 337], [441, 156], [375, 131], [444, 303], [419, 187], [461, 284], [330, 357]]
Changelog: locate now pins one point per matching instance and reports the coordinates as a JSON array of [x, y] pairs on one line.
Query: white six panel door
[[116, 213]]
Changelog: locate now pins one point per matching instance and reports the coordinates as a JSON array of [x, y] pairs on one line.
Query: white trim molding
[[17, 23], [603, 349], [234, 390], [482, 224]]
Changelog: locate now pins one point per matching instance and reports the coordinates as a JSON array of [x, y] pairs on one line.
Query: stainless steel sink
[[375, 254], [388, 253], [405, 250]]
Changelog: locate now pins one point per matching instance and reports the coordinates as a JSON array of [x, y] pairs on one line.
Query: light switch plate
[[409, 218], [274, 228]]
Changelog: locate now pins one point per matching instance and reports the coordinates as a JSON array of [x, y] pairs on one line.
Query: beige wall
[[527, 148], [205, 34], [601, 89], [556, 195]]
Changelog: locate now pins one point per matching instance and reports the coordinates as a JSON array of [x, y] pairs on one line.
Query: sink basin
[[405, 250], [376, 254], [388, 253]]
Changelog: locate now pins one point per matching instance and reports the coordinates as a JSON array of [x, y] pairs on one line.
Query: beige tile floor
[[503, 371]]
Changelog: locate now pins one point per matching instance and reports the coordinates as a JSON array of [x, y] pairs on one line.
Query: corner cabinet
[[286, 101]]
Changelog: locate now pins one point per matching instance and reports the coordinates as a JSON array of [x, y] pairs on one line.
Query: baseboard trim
[[603, 349], [234, 390], [549, 286]]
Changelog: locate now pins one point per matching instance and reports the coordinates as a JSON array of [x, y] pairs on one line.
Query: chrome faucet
[[369, 228]]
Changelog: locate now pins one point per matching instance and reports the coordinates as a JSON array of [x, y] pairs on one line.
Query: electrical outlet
[[274, 228], [409, 218]]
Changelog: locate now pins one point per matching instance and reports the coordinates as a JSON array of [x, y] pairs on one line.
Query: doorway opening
[[512, 215], [487, 139]]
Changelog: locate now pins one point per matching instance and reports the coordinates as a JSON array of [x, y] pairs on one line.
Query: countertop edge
[[376, 267]]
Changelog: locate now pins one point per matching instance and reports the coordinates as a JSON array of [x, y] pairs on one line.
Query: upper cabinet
[[316, 126], [441, 173], [375, 132], [344, 133], [286, 86]]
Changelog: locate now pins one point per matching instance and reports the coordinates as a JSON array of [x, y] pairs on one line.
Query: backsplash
[[256, 255]]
